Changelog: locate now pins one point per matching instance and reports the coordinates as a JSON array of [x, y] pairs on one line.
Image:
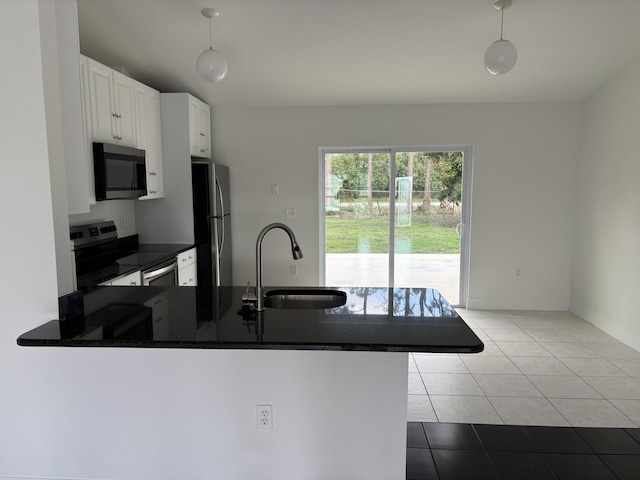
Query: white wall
[[524, 181], [122, 212], [605, 281], [57, 149]]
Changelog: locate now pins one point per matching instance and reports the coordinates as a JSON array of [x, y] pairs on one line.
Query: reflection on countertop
[[373, 319]]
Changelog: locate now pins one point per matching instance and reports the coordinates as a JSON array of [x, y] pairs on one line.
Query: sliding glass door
[[395, 217], [356, 218]]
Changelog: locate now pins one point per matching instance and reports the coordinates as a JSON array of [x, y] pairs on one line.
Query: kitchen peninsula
[[336, 378], [372, 319]]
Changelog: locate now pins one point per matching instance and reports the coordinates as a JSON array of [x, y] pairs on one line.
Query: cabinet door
[[205, 127], [187, 276], [149, 134], [141, 115], [125, 109], [187, 271], [195, 133], [154, 144], [102, 103]]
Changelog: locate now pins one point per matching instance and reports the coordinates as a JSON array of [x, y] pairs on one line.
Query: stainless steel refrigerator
[[212, 223]]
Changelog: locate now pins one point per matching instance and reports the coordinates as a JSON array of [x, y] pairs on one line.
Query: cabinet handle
[[119, 138], [114, 114], [133, 283], [118, 115], [115, 136]]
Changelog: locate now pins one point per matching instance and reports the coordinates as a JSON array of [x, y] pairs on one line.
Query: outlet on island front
[[264, 416]]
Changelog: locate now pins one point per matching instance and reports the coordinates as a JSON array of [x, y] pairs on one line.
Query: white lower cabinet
[[187, 276], [187, 271], [129, 280]]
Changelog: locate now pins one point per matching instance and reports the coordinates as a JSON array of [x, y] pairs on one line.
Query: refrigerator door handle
[[213, 232], [220, 215]]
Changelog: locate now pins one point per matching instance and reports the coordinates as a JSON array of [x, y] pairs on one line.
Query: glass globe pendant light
[[501, 55], [211, 65]]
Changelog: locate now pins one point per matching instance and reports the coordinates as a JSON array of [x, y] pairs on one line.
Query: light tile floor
[[538, 368]]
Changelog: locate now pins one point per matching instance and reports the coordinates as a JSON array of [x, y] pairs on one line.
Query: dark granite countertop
[[373, 319], [132, 257], [164, 247]]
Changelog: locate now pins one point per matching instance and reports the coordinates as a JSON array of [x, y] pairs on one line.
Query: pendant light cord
[[210, 42], [501, 21]]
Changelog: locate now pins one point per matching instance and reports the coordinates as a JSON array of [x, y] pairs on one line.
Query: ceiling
[[365, 52]]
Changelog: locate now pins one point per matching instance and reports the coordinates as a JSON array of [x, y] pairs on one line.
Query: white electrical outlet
[[294, 270], [291, 213], [264, 414]]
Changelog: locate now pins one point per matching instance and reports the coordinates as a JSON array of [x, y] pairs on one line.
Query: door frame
[[465, 217]]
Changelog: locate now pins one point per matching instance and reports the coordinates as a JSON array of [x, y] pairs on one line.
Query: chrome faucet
[[295, 250]]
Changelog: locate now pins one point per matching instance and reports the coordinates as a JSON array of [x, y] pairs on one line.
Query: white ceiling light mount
[[501, 55], [211, 65]]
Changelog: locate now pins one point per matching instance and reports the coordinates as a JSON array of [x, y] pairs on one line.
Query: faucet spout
[[295, 250]]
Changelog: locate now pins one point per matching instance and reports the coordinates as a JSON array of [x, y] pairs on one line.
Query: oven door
[[165, 274]]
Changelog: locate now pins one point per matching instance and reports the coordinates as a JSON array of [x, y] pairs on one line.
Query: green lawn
[[370, 235]]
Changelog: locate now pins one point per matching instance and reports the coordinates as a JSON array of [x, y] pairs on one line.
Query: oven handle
[[152, 273]]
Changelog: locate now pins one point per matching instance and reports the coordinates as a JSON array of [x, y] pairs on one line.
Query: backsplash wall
[[122, 212]]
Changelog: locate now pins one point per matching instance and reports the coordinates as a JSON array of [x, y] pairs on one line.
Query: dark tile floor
[[452, 451]]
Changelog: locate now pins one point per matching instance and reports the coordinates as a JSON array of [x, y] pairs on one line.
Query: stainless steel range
[[100, 256]]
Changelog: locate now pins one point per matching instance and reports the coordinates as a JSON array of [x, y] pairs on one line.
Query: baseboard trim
[[494, 303], [626, 336]]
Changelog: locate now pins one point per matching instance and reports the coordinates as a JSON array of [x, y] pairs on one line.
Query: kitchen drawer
[[186, 258]]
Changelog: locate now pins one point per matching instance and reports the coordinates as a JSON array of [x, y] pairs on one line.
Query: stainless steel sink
[[305, 299]]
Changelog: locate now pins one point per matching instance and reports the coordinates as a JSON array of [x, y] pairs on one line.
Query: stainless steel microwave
[[119, 171]]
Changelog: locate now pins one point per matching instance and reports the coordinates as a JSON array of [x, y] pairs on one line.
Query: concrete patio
[[441, 272]]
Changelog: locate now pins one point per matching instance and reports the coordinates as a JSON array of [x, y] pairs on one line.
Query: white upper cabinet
[[112, 105], [123, 87], [149, 137], [199, 128]]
